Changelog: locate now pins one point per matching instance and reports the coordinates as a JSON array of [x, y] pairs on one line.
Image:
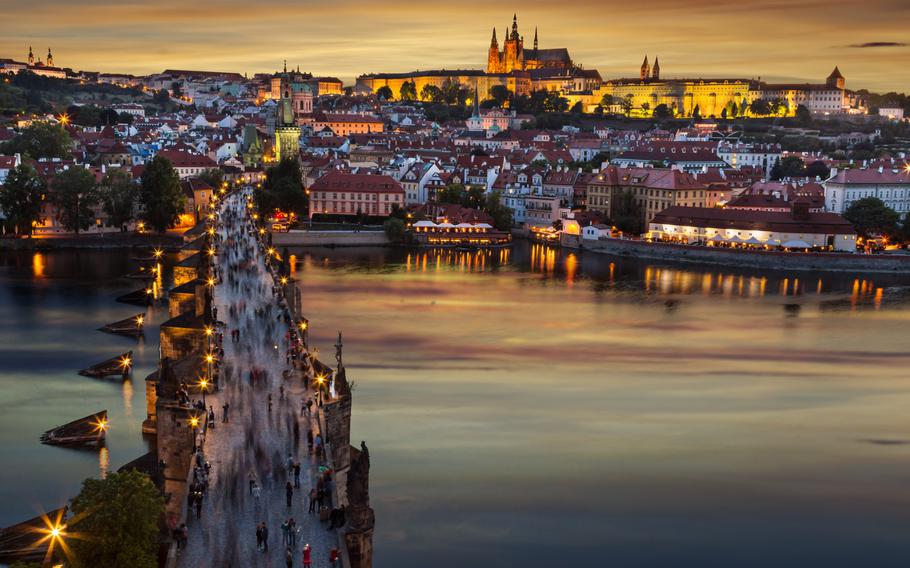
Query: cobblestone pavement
[[255, 439]]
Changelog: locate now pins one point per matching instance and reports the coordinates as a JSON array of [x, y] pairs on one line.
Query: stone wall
[[177, 343], [330, 238]]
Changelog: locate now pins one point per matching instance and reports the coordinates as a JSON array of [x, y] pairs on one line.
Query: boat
[[119, 365], [131, 326], [30, 541], [88, 431]]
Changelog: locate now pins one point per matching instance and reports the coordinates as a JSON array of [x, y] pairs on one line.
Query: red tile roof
[[358, 183]]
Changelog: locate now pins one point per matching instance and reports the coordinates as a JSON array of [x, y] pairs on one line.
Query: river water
[[538, 407]]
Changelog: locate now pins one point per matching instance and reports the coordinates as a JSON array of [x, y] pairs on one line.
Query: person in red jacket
[[333, 557], [307, 561]]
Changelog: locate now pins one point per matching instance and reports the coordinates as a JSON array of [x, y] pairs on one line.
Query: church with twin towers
[[514, 56]]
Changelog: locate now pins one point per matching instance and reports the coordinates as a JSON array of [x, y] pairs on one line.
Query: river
[[538, 407]]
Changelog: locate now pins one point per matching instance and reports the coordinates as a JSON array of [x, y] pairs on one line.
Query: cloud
[[878, 44]]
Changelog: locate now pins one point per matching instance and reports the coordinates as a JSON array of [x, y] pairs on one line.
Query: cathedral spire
[[514, 26], [493, 42], [655, 71], [645, 69], [31, 56], [285, 65], [535, 39]]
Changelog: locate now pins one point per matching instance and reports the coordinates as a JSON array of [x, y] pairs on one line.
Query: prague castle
[[522, 70]]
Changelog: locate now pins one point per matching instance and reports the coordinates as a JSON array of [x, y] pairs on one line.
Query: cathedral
[[514, 56]]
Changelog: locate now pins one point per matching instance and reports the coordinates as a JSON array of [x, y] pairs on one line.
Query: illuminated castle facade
[[514, 57]]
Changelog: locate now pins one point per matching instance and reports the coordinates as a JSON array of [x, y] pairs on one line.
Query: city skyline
[[346, 39]]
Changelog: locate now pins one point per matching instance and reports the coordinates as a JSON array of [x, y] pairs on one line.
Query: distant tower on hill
[[835, 80], [655, 71], [31, 56], [50, 58], [645, 69]]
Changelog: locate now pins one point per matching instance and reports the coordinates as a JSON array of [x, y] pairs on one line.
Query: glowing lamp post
[[194, 423]]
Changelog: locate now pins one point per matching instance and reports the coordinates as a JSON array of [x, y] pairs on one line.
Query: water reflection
[[649, 413]]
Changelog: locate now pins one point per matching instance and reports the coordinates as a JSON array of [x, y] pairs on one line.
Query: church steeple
[[50, 58], [645, 69], [535, 40], [31, 56], [514, 26], [493, 42], [655, 71], [285, 65]]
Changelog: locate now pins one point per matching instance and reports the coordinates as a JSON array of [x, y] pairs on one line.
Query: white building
[[892, 186], [738, 154], [892, 113]]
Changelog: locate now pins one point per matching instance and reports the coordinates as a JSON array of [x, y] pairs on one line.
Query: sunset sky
[[770, 39]]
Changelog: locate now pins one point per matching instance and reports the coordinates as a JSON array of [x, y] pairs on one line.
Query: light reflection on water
[[538, 406]]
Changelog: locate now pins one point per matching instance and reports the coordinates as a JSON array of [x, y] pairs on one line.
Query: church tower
[[645, 69], [50, 58], [655, 71], [493, 62], [31, 56]]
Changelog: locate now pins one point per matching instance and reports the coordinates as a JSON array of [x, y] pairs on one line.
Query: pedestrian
[[265, 537], [257, 491], [285, 539], [259, 537], [288, 493], [198, 505], [297, 474], [292, 532], [224, 411], [312, 508], [333, 557], [252, 477], [307, 561], [288, 557], [289, 463], [184, 534]]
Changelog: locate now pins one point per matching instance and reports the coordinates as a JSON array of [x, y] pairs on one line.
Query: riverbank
[[773, 260], [118, 241]]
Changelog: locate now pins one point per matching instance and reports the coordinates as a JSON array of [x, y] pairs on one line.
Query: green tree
[[408, 91], [394, 229], [74, 196], [789, 167], [696, 112], [870, 216], [117, 520], [118, 197], [41, 140], [213, 176], [502, 215], [662, 112], [500, 94], [626, 104], [817, 169], [555, 102], [803, 114], [606, 101], [384, 93], [627, 214], [645, 108], [160, 195], [20, 199], [451, 193], [283, 189], [431, 93], [760, 107]]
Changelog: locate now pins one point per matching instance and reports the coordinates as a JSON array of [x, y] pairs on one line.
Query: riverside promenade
[[258, 436]]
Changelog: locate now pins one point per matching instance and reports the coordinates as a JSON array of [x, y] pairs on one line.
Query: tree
[[627, 214], [408, 91], [554, 102], [760, 107], [213, 176], [384, 93], [502, 215], [394, 229], [431, 93], [789, 167], [118, 197], [803, 114], [696, 112], [870, 216], [109, 117], [117, 518], [606, 101], [452, 193], [160, 194], [177, 89], [577, 108], [626, 104], [74, 195], [817, 169], [20, 199], [283, 189], [500, 94], [662, 112], [41, 140]]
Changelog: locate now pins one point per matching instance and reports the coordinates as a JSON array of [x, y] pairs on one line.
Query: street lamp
[[203, 386], [194, 423]]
